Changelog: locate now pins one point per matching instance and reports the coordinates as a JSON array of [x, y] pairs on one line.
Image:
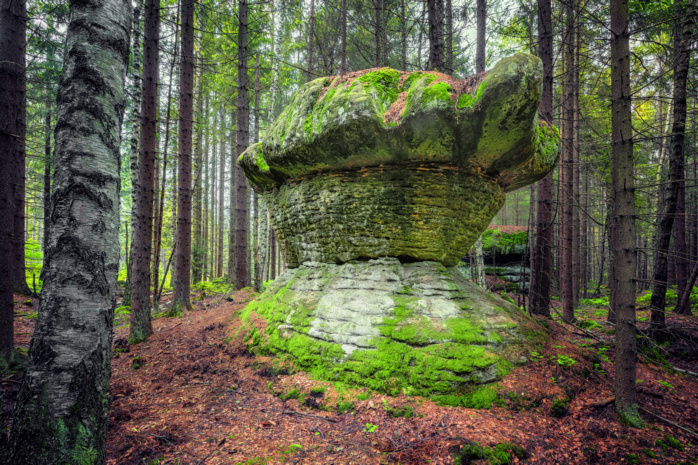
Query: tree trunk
[[243, 130], [214, 169], [624, 253], [182, 270], [47, 182], [683, 36], [231, 208], [436, 35], [12, 75], [479, 274], [274, 88], [221, 199], [141, 327], [567, 197], [197, 252], [377, 34], [311, 32], [19, 268], [683, 307], [576, 230], [257, 281], [403, 34], [157, 226], [272, 254], [449, 37], [539, 288], [343, 25], [62, 408], [204, 195], [481, 35]]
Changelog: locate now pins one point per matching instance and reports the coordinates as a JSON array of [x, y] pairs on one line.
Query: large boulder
[[378, 182]]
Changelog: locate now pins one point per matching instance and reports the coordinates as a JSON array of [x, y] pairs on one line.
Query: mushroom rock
[[377, 183]]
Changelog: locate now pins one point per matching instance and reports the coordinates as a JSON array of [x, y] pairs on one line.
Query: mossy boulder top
[[486, 124]]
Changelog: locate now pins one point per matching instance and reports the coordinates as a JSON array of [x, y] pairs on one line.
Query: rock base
[[418, 328]]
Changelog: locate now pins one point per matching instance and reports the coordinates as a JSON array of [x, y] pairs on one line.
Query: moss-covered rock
[[418, 328], [376, 181], [415, 212], [483, 124]]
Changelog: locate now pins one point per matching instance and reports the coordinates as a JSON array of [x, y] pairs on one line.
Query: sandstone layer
[[418, 328], [377, 184]]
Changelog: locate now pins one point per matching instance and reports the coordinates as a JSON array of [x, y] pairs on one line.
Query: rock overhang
[[486, 125]]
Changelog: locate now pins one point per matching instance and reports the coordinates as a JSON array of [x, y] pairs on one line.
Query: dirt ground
[[193, 394]]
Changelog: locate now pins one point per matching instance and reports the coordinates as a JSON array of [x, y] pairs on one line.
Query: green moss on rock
[[445, 340], [338, 124]]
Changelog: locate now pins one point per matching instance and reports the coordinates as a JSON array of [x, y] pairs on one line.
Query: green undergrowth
[[448, 363], [500, 243], [501, 454], [215, 286]]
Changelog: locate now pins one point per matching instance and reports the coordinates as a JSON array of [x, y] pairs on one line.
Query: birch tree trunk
[[62, 408]]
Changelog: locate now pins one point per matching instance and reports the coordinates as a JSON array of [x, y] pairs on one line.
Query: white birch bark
[[63, 404]]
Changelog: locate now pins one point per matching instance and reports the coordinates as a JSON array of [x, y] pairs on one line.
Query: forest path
[[192, 394]]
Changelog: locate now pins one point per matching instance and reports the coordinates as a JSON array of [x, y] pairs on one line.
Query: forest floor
[[193, 394]]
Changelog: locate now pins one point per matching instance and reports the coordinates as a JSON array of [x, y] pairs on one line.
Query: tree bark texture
[[567, 180], [135, 130], [47, 181], [197, 230], [231, 208], [311, 32], [343, 34], [543, 255], [403, 34], [683, 35], [140, 324], [221, 199], [436, 35], [160, 207], [182, 271], [212, 203], [62, 408], [377, 32], [243, 112], [19, 269], [481, 35], [624, 254], [12, 75], [449, 37]]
